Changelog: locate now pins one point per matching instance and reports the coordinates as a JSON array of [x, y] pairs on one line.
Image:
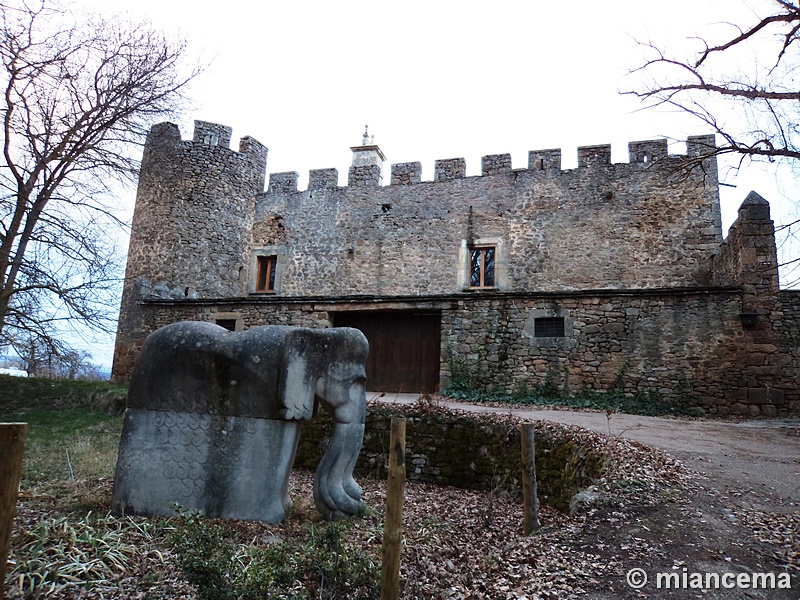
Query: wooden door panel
[[404, 349]]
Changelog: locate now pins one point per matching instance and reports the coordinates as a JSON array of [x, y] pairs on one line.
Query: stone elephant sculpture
[[213, 419]]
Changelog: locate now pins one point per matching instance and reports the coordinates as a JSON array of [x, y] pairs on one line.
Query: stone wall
[[465, 451], [687, 348], [602, 225], [748, 256], [630, 256]]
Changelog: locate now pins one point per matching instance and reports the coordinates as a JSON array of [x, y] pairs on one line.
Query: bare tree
[[78, 92], [751, 72], [40, 355], [745, 86], [52, 358]]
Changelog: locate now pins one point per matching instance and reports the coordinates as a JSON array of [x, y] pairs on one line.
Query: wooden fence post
[[529, 499], [12, 447], [393, 522]]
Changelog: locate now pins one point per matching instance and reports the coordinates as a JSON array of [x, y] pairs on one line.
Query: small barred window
[[548, 327]]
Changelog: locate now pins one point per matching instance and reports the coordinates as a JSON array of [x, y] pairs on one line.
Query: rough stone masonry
[[609, 276]]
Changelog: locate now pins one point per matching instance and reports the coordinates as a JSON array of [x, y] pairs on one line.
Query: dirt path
[[756, 462]]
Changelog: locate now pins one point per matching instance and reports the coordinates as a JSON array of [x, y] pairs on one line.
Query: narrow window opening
[[540, 164], [265, 276], [644, 158], [482, 267], [229, 324], [549, 327]]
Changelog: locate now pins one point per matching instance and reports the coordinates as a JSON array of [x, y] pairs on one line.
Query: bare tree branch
[[770, 98], [762, 94], [79, 92]]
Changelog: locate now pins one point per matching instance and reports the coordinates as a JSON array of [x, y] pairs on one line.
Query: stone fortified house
[[602, 277]]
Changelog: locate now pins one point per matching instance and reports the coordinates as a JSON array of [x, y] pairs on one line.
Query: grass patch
[[63, 544], [73, 427], [34, 393], [67, 445], [67, 544]]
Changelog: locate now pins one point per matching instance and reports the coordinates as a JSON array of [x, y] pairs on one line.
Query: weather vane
[[366, 139]]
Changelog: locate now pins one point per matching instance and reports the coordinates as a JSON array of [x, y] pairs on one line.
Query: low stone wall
[[684, 348], [464, 450]]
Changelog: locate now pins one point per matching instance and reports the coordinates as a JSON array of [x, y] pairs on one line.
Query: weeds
[[553, 391], [336, 569], [324, 566], [642, 403], [70, 552], [459, 372]]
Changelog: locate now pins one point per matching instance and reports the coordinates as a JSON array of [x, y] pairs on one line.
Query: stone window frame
[[529, 330], [465, 263], [274, 251]]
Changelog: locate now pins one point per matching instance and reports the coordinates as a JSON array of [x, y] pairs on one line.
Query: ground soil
[[728, 503], [741, 516]]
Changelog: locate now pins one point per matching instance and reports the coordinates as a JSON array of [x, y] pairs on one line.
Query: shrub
[[324, 566]]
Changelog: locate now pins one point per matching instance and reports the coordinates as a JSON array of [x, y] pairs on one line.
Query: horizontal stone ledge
[[366, 300]]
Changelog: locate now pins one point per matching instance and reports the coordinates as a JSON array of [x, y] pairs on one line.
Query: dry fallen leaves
[[457, 543]]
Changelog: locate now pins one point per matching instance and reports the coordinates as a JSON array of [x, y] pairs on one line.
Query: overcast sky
[[440, 79]]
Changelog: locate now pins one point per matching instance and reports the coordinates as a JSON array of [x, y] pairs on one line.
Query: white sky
[[439, 79]]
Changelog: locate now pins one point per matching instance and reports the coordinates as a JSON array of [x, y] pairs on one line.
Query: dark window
[[229, 324], [549, 327], [481, 267], [265, 277]]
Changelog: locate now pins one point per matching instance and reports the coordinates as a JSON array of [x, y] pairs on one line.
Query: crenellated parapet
[[212, 134], [648, 151], [366, 169], [215, 137], [700, 145], [590, 156], [209, 149], [600, 225], [280, 183], [544, 160], [364, 175]]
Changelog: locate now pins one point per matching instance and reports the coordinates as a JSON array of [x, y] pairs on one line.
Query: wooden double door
[[404, 349]]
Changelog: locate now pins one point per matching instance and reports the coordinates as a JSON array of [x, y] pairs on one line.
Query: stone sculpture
[[213, 420]]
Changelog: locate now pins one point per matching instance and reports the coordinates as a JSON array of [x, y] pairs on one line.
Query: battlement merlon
[[639, 153], [212, 134], [162, 136], [167, 135]]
